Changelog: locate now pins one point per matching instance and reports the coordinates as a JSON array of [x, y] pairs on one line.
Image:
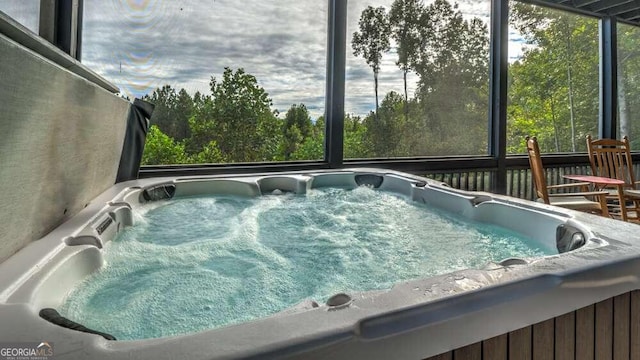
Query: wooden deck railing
[[519, 182]]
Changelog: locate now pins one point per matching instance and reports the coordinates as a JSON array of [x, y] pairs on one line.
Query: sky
[[140, 45]]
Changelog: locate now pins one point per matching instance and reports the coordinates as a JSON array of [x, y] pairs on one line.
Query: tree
[[297, 127], [210, 154], [372, 40], [408, 29], [453, 86], [384, 131], [448, 113], [533, 109], [453, 46], [270, 138], [172, 111], [238, 117], [162, 149], [553, 92], [628, 72], [312, 148], [355, 145], [201, 125], [183, 109], [163, 98]]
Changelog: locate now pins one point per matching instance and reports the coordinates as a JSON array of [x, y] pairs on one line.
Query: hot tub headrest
[[569, 238], [159, 192], [52, 316], [372, 180]]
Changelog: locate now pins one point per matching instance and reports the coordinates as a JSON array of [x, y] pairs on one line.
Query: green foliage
[[210, 154], [457, 51], [162, 149], [312, 148], [553, 89], [383, 132], [240, 105], [297, 128], [235, 122], [183, 108], [628, 84], [552, 94], [269, 138], [450, 56], [238, 118], [355, 144], [372, 39], [411, 31], [172, 111]]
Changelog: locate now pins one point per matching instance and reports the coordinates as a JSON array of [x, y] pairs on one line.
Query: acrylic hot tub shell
[[414, 319]]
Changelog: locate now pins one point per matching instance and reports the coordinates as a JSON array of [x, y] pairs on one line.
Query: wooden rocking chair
[[570, 200], [612, 158]]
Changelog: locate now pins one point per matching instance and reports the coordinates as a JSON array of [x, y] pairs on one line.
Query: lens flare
[[142, 65]]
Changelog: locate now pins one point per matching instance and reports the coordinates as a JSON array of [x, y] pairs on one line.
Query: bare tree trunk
[[571, 110], [375, 81], [406, 99], [555, 125], [572, 118], [624, 109], [622, 94]]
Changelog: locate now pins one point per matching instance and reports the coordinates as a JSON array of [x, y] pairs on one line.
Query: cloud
[[25, 12], [142, 45], [185, 43]]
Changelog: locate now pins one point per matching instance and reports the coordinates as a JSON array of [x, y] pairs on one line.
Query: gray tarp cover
[[137, 127]]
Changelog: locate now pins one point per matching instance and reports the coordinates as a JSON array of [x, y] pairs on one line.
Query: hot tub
[[586, 259]]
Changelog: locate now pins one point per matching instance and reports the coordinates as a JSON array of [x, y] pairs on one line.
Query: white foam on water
[[198, 263]]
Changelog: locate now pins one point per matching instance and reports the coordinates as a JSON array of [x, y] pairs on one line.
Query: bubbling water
[[205, 262]]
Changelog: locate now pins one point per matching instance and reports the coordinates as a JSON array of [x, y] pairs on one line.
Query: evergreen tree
[[235, 118], [297, 127]]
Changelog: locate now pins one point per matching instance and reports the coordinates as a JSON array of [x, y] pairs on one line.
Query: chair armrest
[[568, 185], [588, 193]]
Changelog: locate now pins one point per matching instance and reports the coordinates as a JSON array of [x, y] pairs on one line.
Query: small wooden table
[[600, 183]]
